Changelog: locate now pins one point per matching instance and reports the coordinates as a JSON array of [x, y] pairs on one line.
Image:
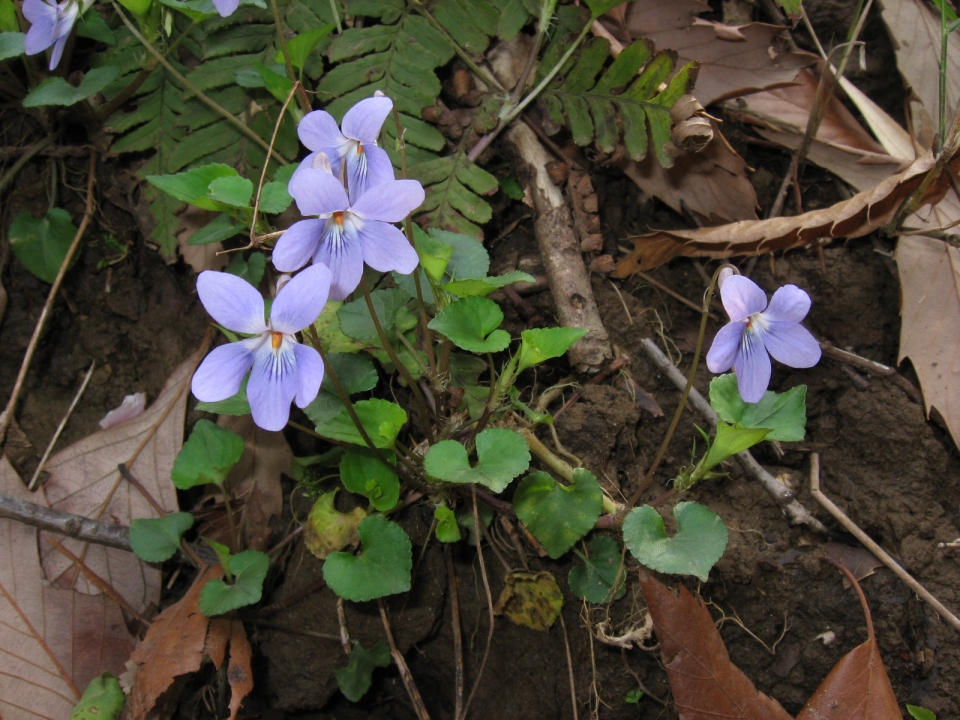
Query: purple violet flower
[[348, 235], [283, 369], [367, 164], [756, 329], [50, 24], [226, 8]]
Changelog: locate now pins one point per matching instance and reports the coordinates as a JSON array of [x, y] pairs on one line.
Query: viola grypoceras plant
[[281, 369], [50, 25], [756, 329]]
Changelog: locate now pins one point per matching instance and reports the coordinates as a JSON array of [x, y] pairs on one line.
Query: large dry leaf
[[734, 60], [915, 29], [52, 641], [705, 684], [199, 257], [712, 183], [858, 687], [857, 216], [256, 477], [84, 480]]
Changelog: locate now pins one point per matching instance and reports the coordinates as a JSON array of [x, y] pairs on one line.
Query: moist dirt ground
[[783, 611]]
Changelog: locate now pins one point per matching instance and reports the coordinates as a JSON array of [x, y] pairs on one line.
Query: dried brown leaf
[[705, 684], [225, 632], [857, 216], [734, 60], [199, 257], [858, 687], [859, 561], [52, 641], [256, 477], [84, 480]]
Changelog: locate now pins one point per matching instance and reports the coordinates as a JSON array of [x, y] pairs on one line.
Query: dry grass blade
[[52, 641], [861, 214], [84, 480], [705, 684]]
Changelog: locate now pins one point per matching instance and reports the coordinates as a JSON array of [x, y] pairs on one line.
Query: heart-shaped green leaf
[[558, 516], [382, 569], [381, 419], [700, 540], [784, 414], [544, 343], [602, 569], [364, 474], [249, 569], [207, 457], [41, 245], [471, 323], [157, 539], [502, 454], [102, 700], [354, 679]]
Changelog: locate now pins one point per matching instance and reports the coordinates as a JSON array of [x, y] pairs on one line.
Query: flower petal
[[317, 192], [57, 51], [37, 11], [725, 346], [364, 120], [226, 8], [385, 248], [791, 343], [42, 32], [318, 131], [297, 245], [742, 297], [309, 374], [343, 254], [301, 300], [232, 302], [272, 385], [788, 303], [221, 372], [368, 170], [752, 367], [389, 202]]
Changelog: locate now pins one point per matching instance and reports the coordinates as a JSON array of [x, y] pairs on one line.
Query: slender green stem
[[492, 398], [336, 16], [291, 73], [194, 89], [413, 352], [648, 478], [231, 522], [401, 368]]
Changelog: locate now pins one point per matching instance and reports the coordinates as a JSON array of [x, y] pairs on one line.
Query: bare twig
[[573, 684], [878, 551], [478, 528], [7, 414], [781, 494], [344, 631], [64, 523], [457, 633], [63, 423], [419, 708]]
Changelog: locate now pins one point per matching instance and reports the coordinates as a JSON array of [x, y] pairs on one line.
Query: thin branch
[[401, 663], [457, 634], [64, 523]]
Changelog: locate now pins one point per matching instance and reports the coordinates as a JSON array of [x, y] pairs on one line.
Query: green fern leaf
[[590, 104]]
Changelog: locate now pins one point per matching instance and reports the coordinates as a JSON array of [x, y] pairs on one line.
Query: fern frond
[[591, 104]]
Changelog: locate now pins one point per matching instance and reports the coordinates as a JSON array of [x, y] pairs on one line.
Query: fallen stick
[[780, 493], [868, 543]]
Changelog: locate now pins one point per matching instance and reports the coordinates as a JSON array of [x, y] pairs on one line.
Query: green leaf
[[502, 454], [380, 418], [354, 679], [276, 84], [434, 254], [157, 539], [918, 713], [784, 414], [602, 569], [303, 44], [558, 516], [11, 44], [102, 700], [471, 323], [327, 327], [599, 7], [356, 322], [541, 344], [219, 229], [92, 26], [731, 440], [207, 457], [8, 16], [41, 245], [589, 99], [327, 530], [362, 473], [274, 198], [382, 569], [193, 185], [790, 7], [700, 540], [250, 269], [57, 91], [249, 569], [356, 374], [231, 190], [235, 405], [448, 530], [485, 286], [223, 555]]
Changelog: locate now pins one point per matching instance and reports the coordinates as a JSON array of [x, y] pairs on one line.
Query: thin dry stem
[[419, 708], [478, 529]]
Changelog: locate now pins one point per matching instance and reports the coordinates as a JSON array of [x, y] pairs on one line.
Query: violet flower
[[283, 369], [226, 8], [756, 329], [347, 235], [367, 164], [50, 24]]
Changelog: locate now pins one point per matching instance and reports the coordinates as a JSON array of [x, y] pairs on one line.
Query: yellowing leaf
[[327, 530], [532, 600]]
